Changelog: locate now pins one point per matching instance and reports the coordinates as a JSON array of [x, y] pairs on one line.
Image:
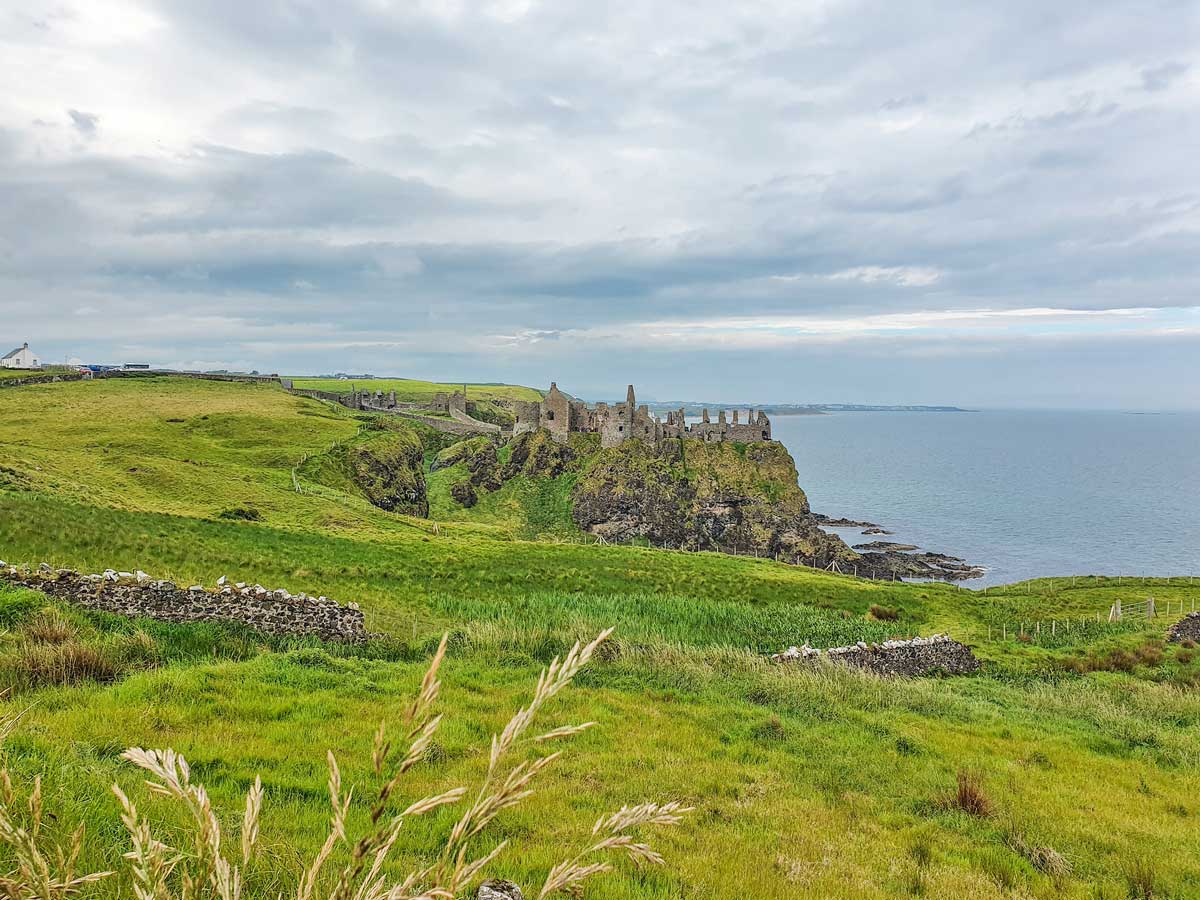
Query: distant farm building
[[21, 358]]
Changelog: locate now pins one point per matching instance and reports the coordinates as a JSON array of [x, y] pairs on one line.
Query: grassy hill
[[411, 391], [806, 784]]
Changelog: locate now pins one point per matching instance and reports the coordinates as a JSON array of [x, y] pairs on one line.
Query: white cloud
[[906, 276]]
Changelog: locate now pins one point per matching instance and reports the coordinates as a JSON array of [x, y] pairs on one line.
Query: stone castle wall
[[620, 422], [912, 658], [136, 595]]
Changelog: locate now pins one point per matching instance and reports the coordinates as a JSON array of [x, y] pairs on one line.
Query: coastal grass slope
[[820, 783]]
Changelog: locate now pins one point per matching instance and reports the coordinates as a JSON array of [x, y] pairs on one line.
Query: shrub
[[884, 613], [241, 513]]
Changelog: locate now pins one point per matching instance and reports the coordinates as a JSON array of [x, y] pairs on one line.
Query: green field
[[411, 391], [805, 784]]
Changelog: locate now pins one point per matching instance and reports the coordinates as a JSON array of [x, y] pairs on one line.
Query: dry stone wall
[[1186, 629], [919, 656], [137, 595]]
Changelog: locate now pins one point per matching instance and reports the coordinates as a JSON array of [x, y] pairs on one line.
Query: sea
[[1025, 494]]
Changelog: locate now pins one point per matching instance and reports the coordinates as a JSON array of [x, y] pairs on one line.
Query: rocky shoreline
[[892, 560]]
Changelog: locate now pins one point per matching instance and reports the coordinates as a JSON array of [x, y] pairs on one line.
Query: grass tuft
[[969, 795]]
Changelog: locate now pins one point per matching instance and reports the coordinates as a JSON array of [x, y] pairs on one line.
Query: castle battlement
[[619, 422]]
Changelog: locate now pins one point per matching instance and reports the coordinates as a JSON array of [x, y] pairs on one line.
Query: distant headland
[[694, 408]]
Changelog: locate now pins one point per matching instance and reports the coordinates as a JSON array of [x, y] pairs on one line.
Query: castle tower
[[630, 399], [556, 413]]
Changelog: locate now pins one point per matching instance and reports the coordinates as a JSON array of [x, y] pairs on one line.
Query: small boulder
[[498, 889]]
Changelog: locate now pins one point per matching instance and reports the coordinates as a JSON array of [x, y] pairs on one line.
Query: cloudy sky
[[991, 204]]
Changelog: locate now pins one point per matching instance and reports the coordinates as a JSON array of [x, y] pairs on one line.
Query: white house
[[21, 358]]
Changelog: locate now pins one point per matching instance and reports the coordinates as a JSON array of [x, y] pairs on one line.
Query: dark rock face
[[1186, 629], [136, 596], [920, 656], [463, 493], [691, 495], [885, 545]]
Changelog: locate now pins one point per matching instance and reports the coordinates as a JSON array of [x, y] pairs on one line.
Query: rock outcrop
[[136, 595], [384, 464], [389, 468], [692, 495], [939, 654], [497, 889]]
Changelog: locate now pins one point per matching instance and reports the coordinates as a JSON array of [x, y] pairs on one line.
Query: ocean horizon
[[1023, 493]]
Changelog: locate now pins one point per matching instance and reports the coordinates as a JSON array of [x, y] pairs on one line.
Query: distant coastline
[[694, 408]]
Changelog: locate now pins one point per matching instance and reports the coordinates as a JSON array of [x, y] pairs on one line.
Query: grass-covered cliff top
[[823, 784], [411, 391]]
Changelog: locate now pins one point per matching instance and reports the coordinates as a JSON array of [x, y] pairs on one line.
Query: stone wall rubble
[[137, 595], [915, 657], [1186, 629]]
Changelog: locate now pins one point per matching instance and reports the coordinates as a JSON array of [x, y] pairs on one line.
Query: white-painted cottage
[[21, 358]]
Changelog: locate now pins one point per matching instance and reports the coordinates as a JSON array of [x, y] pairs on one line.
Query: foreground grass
[[826, 783], [807, 784]]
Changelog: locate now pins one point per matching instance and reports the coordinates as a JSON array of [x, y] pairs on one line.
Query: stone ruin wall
[[619, 422], [136, 595], [912, 658]]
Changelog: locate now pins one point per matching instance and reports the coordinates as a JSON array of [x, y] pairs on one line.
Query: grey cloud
[[311, 189], [451, 192], [84, 122], [1159, 78]]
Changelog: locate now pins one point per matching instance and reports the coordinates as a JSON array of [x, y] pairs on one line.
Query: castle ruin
[[561, 416]]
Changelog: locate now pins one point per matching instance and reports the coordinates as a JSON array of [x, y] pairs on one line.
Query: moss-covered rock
[[478, 456], [388, 467], [536, 454], [384, 464], [463, 451]]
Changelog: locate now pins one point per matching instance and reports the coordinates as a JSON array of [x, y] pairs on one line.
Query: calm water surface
[[1024, 494]]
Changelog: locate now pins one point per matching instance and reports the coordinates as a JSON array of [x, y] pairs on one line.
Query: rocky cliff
[[692, 495], [683, 493]]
